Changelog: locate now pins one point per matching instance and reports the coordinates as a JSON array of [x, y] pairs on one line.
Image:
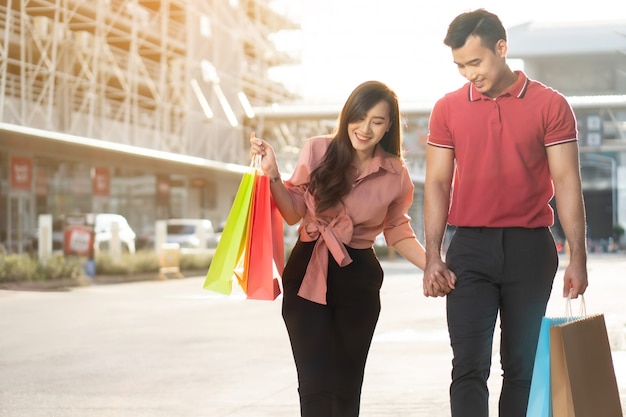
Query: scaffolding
[[171, 75]]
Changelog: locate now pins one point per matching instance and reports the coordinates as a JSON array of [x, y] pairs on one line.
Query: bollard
[[169, 261], [44, 238]]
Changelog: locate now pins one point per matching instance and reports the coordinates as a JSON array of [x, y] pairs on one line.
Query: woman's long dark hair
[[329, 181]]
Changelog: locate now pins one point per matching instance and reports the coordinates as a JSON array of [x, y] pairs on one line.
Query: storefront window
[[4, 194]]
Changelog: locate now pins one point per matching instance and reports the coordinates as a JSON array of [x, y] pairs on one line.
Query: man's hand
[[438, 279], [575, 279]]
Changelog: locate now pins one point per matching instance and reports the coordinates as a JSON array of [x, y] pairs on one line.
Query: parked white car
[[191, 233], [103, 227]]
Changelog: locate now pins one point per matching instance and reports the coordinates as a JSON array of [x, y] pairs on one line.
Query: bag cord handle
[[568, 305], [255, 162]]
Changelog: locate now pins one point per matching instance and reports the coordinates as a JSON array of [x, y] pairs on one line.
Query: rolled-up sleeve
[[299, 181], [311, 154], [397, 222]]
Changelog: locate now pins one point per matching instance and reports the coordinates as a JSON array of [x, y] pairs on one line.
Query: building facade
[[587, 63], [130, 106], [143, 108]]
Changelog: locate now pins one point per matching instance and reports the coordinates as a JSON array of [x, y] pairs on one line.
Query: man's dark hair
[[481, 23]]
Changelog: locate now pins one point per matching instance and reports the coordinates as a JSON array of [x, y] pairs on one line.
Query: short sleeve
[[561, 127], [438, 131]]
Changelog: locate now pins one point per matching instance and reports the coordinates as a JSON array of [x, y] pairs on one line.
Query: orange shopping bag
[[242, 268]]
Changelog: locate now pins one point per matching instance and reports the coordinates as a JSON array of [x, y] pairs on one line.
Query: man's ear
[[502, 48]]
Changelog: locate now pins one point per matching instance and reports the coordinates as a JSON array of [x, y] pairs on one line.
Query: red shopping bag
[[231, 245], [264, 260], [278, 237]]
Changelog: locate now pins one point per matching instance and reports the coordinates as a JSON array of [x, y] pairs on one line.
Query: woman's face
[[368, 131]]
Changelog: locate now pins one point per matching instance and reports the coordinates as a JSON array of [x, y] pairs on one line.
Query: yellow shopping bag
[[231, 245]]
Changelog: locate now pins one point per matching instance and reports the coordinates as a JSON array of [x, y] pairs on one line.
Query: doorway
[[20, 223]]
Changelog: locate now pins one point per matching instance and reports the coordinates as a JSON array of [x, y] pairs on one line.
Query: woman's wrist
[[274, 174]]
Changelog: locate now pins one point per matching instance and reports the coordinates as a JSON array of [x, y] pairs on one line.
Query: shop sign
[[101, 182], [21, 173]]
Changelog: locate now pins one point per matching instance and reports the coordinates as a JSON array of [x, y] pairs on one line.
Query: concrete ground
[[172, 349]]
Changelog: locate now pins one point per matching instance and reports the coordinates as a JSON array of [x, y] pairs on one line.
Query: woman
[[346, 189]]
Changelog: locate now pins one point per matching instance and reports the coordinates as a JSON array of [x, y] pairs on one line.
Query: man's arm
[[564, 166], [438, 280]]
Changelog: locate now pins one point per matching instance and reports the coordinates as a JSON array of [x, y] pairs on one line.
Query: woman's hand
[[438, 279], [269, 165]]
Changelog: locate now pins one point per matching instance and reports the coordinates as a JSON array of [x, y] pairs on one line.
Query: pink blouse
[[378, 202]]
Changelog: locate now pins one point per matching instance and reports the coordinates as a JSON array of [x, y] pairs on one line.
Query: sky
[[400, 42]]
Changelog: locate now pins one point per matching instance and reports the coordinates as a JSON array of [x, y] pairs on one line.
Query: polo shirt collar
[[517, 90]]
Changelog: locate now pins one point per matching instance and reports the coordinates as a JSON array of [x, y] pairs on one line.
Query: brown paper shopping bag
[[581, 368]]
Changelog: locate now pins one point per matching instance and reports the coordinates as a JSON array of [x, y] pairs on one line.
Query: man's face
[[481, 66]]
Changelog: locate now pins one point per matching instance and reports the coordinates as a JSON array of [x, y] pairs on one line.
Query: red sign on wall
[[101, 181], [21, 173]]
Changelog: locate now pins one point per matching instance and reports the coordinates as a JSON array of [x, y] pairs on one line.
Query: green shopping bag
[[219, 277]]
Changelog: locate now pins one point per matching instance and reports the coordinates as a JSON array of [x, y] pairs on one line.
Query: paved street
[[173, 349]]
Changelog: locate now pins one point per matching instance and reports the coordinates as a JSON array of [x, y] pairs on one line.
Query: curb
[[83, 281]]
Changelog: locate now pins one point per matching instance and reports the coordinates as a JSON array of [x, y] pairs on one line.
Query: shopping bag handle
[[568, 305], [255, 162]]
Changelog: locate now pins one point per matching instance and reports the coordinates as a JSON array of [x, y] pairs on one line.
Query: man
[[499, 149]]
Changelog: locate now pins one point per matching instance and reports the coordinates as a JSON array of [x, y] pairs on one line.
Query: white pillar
[[44, 237]]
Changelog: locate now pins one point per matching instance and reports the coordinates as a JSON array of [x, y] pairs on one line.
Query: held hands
[[269, 164], [438, 279]]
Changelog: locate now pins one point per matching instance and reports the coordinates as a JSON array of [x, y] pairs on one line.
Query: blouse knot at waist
[[331, 237]]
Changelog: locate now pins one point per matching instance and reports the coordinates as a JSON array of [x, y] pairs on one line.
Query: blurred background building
[[587, 63], [144, 107], [130, 106], [584, 61]]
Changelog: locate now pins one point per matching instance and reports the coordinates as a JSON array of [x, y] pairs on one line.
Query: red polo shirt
[[502, 178]]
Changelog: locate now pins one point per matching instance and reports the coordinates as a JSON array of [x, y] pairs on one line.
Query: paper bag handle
[[255, 162], [568, 305]]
